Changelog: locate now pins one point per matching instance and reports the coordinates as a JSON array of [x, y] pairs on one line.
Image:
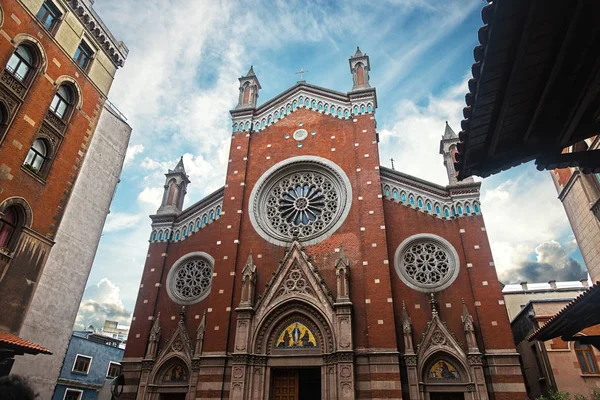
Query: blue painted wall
[[101, 354]]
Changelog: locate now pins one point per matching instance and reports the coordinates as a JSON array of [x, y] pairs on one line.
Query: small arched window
[[10, 227], [160, 235], [154, 235], [247, 126], [476, 207], [320, 107], [314, 105], [177, 236], [339, 112], [184, 232], [459, 209], [403, 197], [412, 200], [256, 126], [62, 102], [198, 223], [191, 227], [37, 155], [295, 105], [362, 109], [446, 213], [21, 63], [205, 219], [468, 209], [428, 206], [276, 115], [326, 108], [332, 110], [270, 120], [420, 203], [289, 109], [395, 193], [235, 127], [370, 108], [347, 115], [437, 210], [387, 191], [355, 110], [218, 211], [263, 123], [307, 102], [281, 113], [212, 215]]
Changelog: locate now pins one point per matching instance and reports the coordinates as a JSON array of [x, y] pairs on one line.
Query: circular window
[[427, 263], [300, 135], [190, 278], [306, 198]]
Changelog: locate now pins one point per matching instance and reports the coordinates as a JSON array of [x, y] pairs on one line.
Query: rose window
[[189, 281], [300, 200], [426, 262]]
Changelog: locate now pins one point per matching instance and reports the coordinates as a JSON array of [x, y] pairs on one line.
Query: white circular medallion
[[300, 135], [190, 278]]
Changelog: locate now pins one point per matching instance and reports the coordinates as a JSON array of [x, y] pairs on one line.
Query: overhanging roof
[[579, 314], [535, 88], [19, 345]]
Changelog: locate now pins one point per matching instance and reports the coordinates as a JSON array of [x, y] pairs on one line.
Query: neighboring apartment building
[[580, 195], [114, 330], [90, 360], [517, 296], [61, 145], [554, 364]]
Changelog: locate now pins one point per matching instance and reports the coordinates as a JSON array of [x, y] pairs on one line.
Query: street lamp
[[116, 386]]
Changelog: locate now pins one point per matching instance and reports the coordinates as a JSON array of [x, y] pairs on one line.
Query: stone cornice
[[115, 50]]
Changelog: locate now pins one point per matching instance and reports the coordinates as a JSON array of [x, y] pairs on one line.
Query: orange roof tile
[[10, 340]]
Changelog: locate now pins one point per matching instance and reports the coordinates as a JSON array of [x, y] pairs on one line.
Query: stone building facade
[[317, 273], [580, 195], [58, 62]]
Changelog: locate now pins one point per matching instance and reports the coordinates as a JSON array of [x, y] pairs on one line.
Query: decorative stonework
[[190, 278], [306, 198], [295, 282], [427, 263]]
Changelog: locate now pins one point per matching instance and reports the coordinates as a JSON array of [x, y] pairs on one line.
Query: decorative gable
[[438, 338], [179, 342], [295, 279]]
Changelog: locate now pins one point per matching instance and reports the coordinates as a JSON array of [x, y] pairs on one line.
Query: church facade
[[317, 273]]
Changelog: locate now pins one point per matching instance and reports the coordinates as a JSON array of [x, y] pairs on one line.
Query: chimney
[[552, 284], [584, 283], [524, 285]]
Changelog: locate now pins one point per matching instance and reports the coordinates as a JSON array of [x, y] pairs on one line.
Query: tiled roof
[[579, 314], [16, 343]]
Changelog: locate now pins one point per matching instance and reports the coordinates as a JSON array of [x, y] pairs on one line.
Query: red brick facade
[[376, 365], [41, 198]]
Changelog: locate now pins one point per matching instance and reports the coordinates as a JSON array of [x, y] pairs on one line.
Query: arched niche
[[442, 372]]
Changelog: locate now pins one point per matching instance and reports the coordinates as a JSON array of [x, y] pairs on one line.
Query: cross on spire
[[392, 160], [301, 72]]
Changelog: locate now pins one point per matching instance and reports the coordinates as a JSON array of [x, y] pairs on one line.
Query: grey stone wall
[[54, 306]]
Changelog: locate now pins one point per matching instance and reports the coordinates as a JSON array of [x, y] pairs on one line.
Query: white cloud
[[120, 221], [133, 151], [101, 302]]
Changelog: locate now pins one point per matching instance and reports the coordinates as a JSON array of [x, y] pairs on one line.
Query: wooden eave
[[535, 88]]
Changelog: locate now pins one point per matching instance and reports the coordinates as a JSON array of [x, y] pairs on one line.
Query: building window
[[61, 102], [38, 153], [426, 262], [189, 281], [437, 210], [586, 358], [82, 364], [73, 394], [21, 62], [304, 199], [10, 225], [83, 55], [114, 370], [49, 15]]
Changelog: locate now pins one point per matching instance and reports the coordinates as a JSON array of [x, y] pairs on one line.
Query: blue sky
[[180, 81]]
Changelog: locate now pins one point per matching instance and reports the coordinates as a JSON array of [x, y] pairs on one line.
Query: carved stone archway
[[293, 325]]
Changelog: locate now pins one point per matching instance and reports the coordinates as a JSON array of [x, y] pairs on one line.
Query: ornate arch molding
[[66, 78], [445, 354], [37, 45], [160, 368], [23, 205], [262, 342]]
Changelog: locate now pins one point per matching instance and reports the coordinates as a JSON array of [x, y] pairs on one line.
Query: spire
[[342, 257], [433, 304], [249, 260], [182, 315], [174, 190], [406, 330], [449, 133], [249, 87], [360, 67]]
